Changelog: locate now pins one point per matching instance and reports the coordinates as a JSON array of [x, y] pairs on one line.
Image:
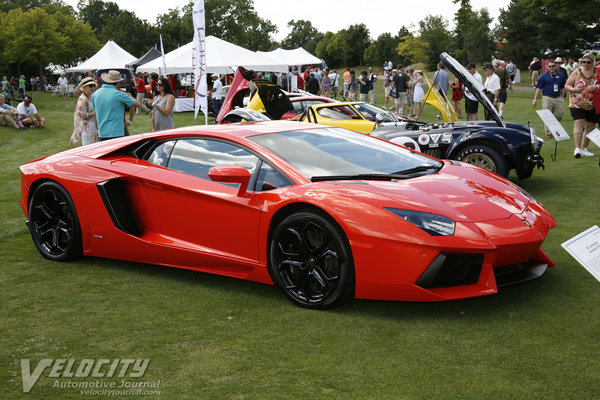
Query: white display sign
[[594, 136], [553, 125], [585, 248]]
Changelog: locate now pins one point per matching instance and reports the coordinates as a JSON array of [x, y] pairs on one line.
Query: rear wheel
[[311, 260], [485, 157], [53, 223]]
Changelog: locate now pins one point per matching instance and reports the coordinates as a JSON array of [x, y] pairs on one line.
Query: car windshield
[[370, 112], [340, 154]]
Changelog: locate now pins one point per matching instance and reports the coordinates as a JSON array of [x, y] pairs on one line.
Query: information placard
[[594, 136], [553, 125], [585, 248]]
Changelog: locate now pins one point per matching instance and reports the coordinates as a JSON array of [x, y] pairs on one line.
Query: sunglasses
[[586, 62], [551, 66], [159, 84]]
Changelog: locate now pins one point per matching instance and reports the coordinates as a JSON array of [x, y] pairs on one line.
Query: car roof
[[226, 131]]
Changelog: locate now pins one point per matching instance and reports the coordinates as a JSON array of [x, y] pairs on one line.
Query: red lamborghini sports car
[[324, 213]]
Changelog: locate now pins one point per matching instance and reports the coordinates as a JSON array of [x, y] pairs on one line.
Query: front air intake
[[452, 270]]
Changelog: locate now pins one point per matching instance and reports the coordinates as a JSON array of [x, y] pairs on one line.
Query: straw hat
[[88, 81], [112, 76]]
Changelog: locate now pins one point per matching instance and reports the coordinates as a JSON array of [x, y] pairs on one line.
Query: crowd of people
[[580, 81], [105, 112]]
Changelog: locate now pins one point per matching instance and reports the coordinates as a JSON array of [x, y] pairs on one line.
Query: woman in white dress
[[418, 92]]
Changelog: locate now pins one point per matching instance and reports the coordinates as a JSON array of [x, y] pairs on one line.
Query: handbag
[[596, 93]]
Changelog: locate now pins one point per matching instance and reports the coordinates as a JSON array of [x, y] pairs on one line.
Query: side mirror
[[231, 174]]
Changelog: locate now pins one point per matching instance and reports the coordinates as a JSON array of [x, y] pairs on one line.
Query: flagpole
[[199, 60], [164, 64]]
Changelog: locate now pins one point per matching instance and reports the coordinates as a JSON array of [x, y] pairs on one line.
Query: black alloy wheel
[[311, 260], [485, 157], [53, 223]]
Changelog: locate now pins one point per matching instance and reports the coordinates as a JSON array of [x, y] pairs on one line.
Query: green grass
[[210, 337]]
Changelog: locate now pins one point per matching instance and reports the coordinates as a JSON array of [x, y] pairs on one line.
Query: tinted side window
[[160, 155], [269, 179], [197, 156]]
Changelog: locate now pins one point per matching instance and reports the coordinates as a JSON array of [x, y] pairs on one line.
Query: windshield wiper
[[358, 177], [420, 168]]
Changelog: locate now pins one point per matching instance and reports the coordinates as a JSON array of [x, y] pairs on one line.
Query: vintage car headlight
[[435, 225], [534, 137]]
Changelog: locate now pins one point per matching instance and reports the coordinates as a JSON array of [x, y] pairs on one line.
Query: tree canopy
[[59, 34]]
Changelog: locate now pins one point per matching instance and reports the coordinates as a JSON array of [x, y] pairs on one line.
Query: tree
[[412, 50], [463, 21], [134, 35], [479, 44], [97, 14], [176, 27], [79, 40], [434, 32], [358, 39], [302, 34], [39, 44], [56, 5], [382, 49], [237, 22], [528, 28]]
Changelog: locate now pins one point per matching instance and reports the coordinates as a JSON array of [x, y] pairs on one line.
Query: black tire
[[311, 260], [485, 157], [53, 223]]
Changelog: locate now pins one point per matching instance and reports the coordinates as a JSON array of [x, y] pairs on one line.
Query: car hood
[[472, 84], [462, 193]]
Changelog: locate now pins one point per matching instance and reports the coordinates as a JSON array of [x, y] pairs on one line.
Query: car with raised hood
[[496, 145], [324, 213]]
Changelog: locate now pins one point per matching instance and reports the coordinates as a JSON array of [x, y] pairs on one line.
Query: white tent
[[109, 56], [222, 57], [297, 56]]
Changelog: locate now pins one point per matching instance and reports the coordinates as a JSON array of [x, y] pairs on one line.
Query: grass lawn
[[211, 337]]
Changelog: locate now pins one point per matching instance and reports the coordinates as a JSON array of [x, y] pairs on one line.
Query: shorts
[[535, 75], [387, 91], [346, 86], [588, 115], [401, 99], [502, 97], [471, 106]]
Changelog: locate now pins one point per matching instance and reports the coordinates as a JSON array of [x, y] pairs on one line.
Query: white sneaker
[[577, 152], [586, 153]]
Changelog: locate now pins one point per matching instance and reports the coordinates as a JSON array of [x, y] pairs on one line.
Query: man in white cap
[[109, 104]]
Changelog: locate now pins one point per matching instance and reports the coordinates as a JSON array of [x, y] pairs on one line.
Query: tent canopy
[[149, 56], [297, 56], [222, 57], [109, 56]]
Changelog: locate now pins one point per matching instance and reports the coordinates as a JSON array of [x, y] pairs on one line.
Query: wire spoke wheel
[[310, 260], [485, 157]]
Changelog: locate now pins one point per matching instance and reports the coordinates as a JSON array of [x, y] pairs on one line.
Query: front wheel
[[311, 261], [53, 223], [485, 157]]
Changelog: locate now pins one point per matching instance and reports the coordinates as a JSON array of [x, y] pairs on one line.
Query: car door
[[192, 212]]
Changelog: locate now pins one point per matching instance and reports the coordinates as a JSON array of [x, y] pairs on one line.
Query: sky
[[379, 16]]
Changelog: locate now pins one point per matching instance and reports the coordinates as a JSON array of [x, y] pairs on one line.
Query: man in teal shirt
[[109, 104]]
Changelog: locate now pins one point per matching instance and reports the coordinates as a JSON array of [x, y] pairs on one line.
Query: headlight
[[435, 225], [534, 137]]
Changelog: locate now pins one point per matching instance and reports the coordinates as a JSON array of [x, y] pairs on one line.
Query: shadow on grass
[[516, 299]]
